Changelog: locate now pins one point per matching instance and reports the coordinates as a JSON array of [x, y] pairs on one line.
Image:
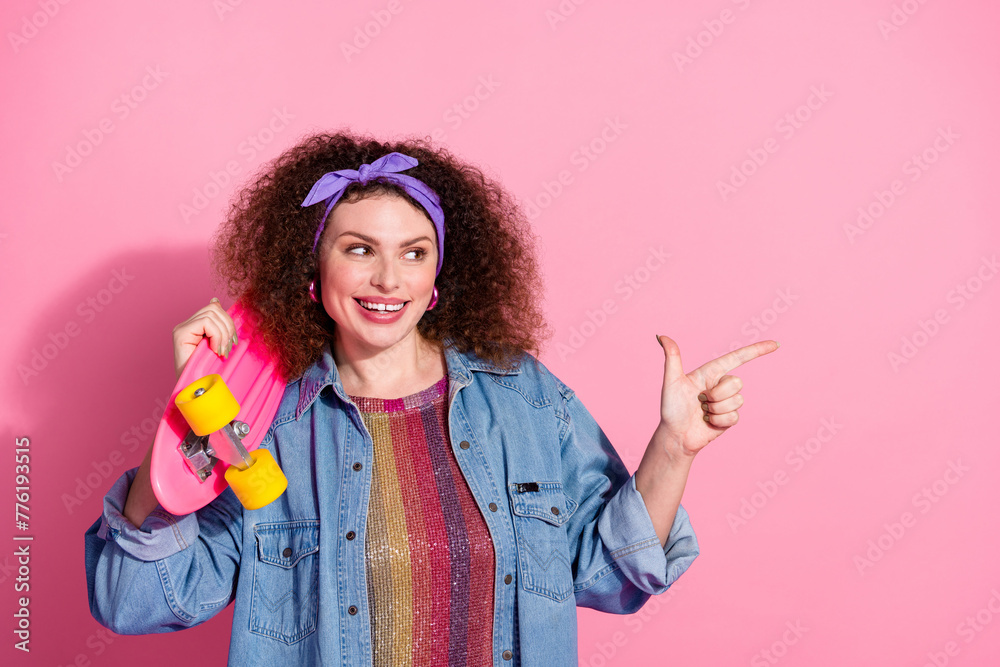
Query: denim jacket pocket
[[285, 580], [541, 510]]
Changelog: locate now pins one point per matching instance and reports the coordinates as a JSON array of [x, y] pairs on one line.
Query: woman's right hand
[[211, 322]]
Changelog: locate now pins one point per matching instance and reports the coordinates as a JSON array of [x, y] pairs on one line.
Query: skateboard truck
[[201, 453], [210, 410]]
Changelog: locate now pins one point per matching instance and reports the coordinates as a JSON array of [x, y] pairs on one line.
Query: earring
[[434, 299], [312, 291]]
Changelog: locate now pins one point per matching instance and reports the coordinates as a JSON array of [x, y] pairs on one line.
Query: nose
[[386, 275]]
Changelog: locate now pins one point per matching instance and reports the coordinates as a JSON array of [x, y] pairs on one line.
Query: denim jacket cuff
[[162, 534], [628, 532]]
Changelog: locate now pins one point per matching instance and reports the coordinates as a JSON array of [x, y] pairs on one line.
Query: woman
[[450, 501]]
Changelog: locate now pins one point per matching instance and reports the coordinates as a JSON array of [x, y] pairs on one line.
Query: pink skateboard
[[218, 415]]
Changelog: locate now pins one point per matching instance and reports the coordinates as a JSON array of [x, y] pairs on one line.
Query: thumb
[[672, 368]]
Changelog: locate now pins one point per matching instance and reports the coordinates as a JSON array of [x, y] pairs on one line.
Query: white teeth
[[381, 306]]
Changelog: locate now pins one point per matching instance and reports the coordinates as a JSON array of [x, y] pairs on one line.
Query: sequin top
[[428, 552]]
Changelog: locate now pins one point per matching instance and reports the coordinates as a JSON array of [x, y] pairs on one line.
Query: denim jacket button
[[287, 552], [493, 507], [350, 535], [357, 466], [508, 579], [555, 510], [464, 444], [352, 610], [507, 655]]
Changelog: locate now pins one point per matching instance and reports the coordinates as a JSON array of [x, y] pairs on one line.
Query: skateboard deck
[[250, 374]]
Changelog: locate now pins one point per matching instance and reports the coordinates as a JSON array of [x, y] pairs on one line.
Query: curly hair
[[488, 285]]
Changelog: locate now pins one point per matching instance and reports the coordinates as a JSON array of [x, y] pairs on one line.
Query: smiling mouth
[[381, 307]]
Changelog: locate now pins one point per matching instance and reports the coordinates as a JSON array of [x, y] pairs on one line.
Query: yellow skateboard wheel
[[207, 404], [259, 484]]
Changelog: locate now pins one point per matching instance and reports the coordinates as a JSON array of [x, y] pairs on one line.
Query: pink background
[[855, 500]]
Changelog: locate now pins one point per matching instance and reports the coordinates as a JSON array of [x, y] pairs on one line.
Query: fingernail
[[706, 417], [702, 397], [214, 300], [704, 406], [777, 343]]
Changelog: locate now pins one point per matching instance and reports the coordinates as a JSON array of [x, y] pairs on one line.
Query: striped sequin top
[[428, 552]]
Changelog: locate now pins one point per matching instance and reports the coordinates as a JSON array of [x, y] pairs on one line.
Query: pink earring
[[434, 299], [312, 291]]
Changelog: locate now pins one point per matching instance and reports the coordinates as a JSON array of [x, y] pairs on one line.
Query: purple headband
[[331, 186]]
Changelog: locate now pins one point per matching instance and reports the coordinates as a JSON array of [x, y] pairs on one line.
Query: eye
[[363, 248], [420, 253]]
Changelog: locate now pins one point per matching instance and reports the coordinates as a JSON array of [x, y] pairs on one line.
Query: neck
[[405, 368]]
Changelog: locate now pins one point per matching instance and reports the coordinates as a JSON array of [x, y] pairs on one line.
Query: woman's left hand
[[698, 407]]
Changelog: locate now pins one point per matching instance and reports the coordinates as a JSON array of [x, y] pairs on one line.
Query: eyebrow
[[375, 242]]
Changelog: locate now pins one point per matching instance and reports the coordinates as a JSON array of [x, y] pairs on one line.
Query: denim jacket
[[568, 526]]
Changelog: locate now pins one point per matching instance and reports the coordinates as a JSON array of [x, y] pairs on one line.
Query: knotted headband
[[331, 186]]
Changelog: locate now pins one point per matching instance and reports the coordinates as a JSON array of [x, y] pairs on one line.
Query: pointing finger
[[716, 368]]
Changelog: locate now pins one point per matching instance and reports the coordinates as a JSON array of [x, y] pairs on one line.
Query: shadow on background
[[91, 379]]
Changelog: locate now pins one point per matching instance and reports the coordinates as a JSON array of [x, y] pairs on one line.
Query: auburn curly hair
[[488, 285]]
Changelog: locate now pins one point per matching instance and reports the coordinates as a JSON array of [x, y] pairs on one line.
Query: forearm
[[141, 499], [661, 478], [172, 573]]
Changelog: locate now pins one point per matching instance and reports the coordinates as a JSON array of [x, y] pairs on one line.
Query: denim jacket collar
[[324, 373]]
